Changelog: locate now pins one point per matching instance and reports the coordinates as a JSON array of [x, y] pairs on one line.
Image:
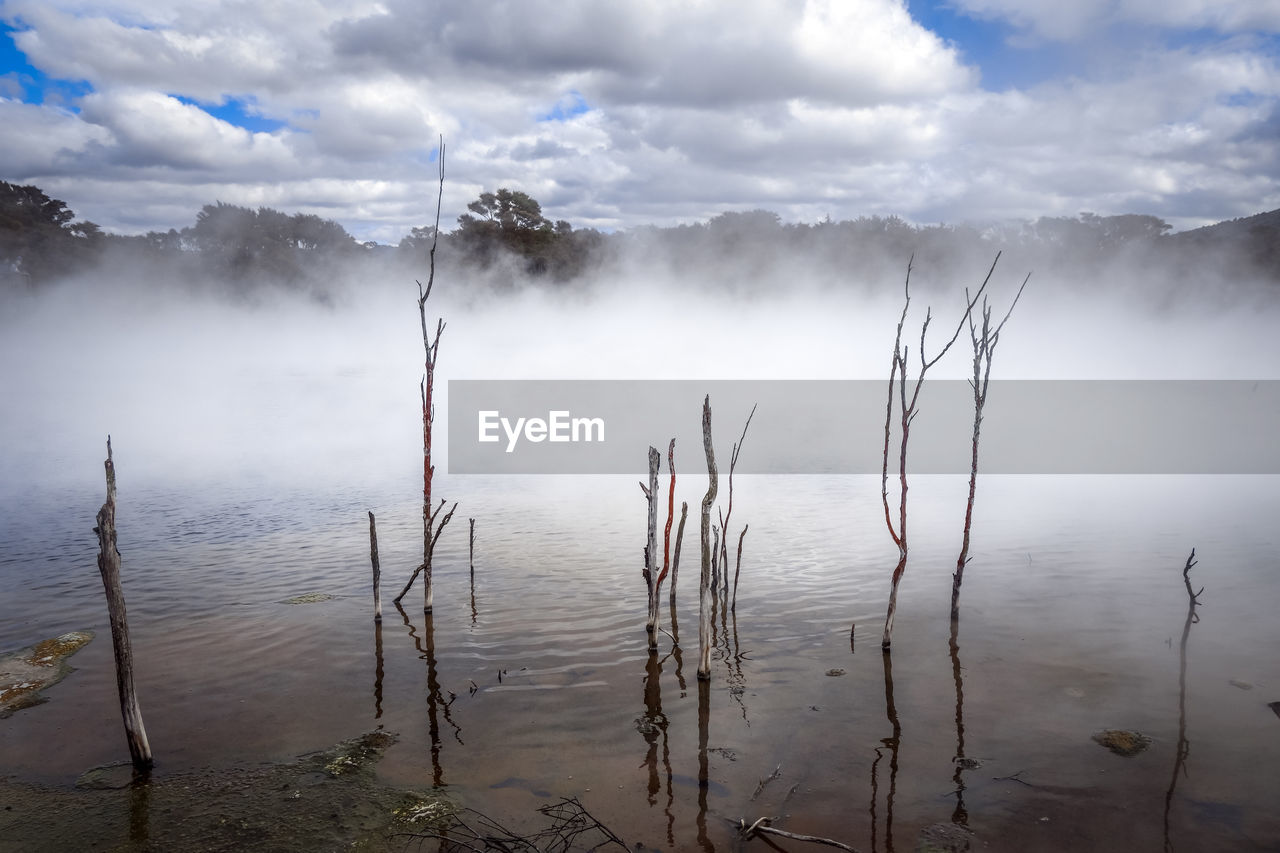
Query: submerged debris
[[308, 598], [24, 673], [1123, 742], [572, 828], [944, 838]]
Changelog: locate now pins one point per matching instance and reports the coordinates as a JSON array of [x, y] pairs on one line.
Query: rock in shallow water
[[24, 673], [1122, 741]]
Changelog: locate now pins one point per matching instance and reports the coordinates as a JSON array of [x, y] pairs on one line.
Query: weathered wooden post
[[704, 588], [650, 572], [109, 567], [377, 570]]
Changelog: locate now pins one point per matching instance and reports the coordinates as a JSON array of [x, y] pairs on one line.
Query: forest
[[505, 240]]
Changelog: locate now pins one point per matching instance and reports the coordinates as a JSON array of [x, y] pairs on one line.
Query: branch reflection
[[437, 705]]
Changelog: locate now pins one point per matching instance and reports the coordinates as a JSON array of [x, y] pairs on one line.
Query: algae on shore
[[327, 800], [26, 672]]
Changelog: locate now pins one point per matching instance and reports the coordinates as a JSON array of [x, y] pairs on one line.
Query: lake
[[244, 481]]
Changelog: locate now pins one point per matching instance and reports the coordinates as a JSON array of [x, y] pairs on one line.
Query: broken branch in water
[[777, 771], [762, 827]]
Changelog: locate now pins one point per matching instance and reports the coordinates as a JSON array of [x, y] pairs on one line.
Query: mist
[[196, 382]]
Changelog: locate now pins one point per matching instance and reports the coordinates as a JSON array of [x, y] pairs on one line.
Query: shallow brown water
[[1072, 615]]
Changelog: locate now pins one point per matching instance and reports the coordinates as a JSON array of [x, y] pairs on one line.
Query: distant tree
[[238, 243], [510, 209], [39, 239], [419, 240], [510, 221]]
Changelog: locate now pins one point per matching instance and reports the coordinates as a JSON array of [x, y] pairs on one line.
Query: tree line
[[506, 236]]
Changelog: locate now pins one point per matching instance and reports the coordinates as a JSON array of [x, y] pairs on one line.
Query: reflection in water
[[676, 653], [704, 724], [960, 815], [473, 596], [140, 811], [653, 727], [1184, 746], [733, 658], [890, 743], [436, 703], [377, 671]]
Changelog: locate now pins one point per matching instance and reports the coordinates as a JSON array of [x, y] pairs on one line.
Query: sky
[[620, 114]]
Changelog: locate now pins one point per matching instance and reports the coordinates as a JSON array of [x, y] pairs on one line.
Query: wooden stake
[[471, 547], [377, 570], [109, 567]]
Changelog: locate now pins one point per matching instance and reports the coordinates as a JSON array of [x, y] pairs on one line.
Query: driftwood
[[377, 569], [907, 413], [572, 828], [704, 588], [762, 827], [109, 567], [984, 347]]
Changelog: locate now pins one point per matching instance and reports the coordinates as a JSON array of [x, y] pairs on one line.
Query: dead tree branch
[[984, 348], [899, 370], [431, 345]]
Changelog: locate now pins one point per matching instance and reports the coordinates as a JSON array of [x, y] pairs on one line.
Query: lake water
[[245, 480], [1072, 613]]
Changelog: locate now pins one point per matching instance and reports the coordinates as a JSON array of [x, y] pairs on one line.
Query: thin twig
[[761, 827]]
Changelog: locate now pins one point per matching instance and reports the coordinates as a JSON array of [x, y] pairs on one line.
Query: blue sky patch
[[241, 112], [35, 86], [572, 104], [985, 43]]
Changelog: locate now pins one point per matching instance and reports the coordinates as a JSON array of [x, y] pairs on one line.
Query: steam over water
[[250, 440]]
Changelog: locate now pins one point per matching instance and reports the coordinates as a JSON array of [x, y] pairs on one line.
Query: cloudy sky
[[612, 114]]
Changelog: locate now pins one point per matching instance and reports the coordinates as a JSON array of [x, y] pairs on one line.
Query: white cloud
[[806, 108]]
